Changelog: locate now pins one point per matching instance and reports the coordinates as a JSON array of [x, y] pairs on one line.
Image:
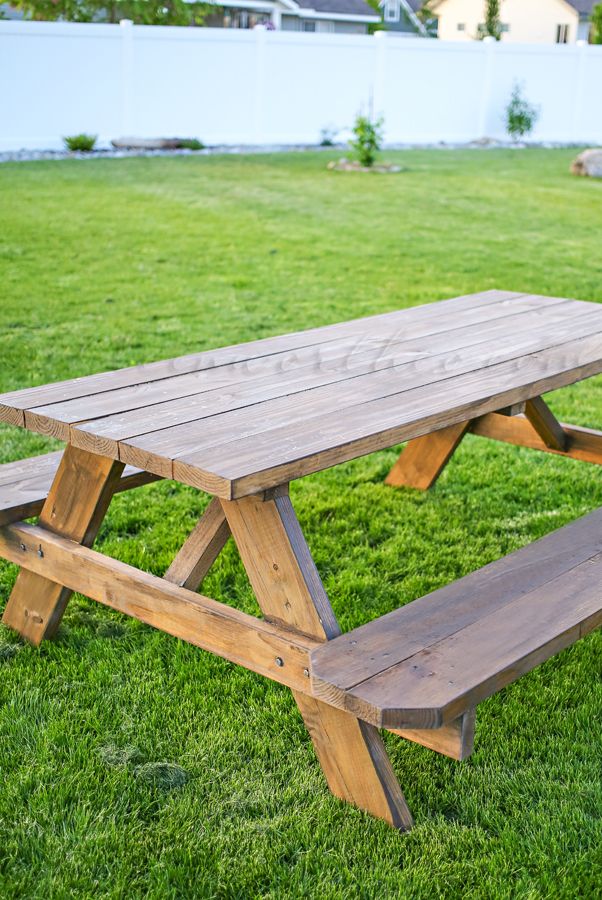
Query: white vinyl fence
[[273, 87]]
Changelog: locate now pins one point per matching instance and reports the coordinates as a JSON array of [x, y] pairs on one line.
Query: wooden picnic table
[[241, 423]]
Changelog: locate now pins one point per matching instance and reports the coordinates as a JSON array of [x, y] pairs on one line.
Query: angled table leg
[[200, 550], [289, 590], [75, 507], [424, 458], [546, 424]]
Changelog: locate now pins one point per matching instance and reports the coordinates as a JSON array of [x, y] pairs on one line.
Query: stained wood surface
[[289, 591], [584, 444], [424, 458], [545, 424], [244, 419], [201, 548], [76, 504], [455, 740], [229, 633], [24, 484], [430, 661]]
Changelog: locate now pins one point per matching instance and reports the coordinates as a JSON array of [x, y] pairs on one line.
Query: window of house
[[309, 26], [391, 11], [461, 26], [562, 34]]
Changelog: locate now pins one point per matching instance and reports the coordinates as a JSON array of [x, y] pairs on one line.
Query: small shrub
[[192, 144], [367, 140], [82, 143], [521, 116], [596, 29], [328, 136]]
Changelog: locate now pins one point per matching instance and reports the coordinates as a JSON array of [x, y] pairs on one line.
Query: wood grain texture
[[216, 417], [122, 413], [201, 548], [171, 399], [75, 507], [234, 635], [86, 386], [249, 418], [455, 740], [24, 485], [584, 444], [423, 459], [545, 424], [283, 454], [436, 658], [288, 589]]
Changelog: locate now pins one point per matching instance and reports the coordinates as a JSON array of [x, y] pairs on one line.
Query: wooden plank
[[201, 548], [584, 444], [157, 450], [288, 589], [366, 651], [75, 507], [439, 683], [22, 494], [141, 408], [18, 469], [455, 740], [234, 635], [424, 458], [545, 424], [280, 454], [57, 392]]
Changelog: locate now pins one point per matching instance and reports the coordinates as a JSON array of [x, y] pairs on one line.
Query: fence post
[[484, 108], [578, 95], [127, 69], [260, 32], [377, 101]]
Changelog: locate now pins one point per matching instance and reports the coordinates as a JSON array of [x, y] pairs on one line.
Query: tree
[[493, 25], [142, 12], [596, 31], [521, 116], [427, 17]]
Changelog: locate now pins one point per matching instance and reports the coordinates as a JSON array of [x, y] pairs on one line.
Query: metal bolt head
[[306, 672], [279, 661]]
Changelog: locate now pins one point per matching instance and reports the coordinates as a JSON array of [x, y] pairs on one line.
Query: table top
[[246, 418]]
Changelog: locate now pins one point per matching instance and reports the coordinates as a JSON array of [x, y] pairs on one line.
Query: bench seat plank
[[25, 483], [430, 661]]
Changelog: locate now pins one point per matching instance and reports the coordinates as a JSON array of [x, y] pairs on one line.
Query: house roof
[[341, 7], [583, 7]]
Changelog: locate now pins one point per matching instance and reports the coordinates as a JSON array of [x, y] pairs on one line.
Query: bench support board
[[424, 458], [455, 740]]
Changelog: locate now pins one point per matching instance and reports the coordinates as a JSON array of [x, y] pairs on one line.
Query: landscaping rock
[[133, 143], [352, 165], [588, 163]]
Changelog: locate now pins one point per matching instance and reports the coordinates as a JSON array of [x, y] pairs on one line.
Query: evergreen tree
[[493, 25], [596, 33]]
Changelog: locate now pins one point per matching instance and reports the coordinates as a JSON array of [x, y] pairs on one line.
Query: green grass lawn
[[133, 765]]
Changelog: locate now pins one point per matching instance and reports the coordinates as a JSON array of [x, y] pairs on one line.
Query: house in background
[[334, 16], [401, 17], [523, 21]]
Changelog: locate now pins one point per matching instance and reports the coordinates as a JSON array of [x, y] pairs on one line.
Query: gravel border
[[111, 153]]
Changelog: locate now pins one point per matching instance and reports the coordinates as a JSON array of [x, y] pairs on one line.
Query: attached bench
[[426, 664], [24, 484]]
